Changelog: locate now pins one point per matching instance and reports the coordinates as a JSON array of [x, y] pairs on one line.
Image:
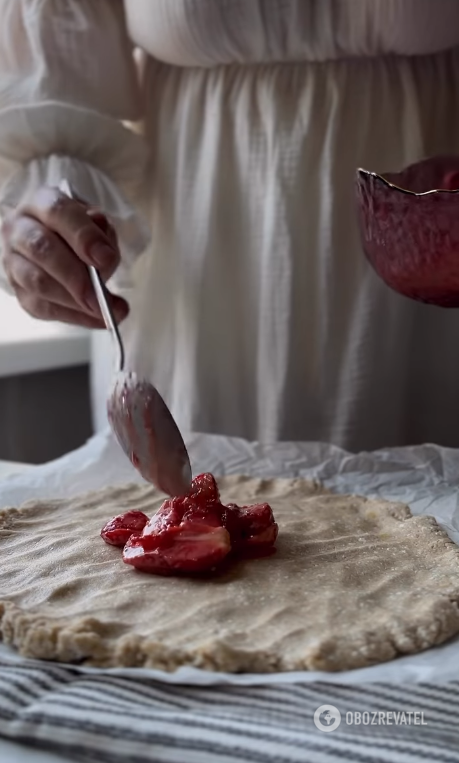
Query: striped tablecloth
[[106, 718]]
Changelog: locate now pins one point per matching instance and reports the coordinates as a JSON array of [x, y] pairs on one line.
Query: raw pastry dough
[[354, 582]]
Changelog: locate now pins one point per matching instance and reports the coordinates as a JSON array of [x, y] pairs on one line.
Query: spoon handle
[[101, 294], [107, 315]]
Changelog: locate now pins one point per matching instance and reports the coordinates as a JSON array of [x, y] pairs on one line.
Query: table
[[9, 751]]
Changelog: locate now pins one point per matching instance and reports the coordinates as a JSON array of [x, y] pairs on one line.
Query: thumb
[[102, 222]]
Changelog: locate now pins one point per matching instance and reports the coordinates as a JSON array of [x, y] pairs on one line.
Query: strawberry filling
[[193, 533]]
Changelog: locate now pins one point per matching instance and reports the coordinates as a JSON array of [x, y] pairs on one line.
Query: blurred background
[[45, 408]]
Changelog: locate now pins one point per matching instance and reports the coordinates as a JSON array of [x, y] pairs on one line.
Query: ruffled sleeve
[[68, 82]]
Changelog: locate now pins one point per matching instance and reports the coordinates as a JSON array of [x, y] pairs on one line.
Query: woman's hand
[[48, 244]]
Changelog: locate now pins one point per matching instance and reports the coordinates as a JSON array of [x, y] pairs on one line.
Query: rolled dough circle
[[353, 582]]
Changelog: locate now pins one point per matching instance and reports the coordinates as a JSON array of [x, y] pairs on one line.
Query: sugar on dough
[[354, 582]]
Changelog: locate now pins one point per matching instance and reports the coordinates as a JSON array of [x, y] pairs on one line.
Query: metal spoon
[[138, 415]]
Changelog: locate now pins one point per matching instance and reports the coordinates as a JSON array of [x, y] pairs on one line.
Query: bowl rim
[[378, 176]]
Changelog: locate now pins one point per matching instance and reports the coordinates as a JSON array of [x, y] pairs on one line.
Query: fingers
[[48, 245], [44, 257], [50, 311], [70, 220], [104, 224], [28, 278], [48, 255]]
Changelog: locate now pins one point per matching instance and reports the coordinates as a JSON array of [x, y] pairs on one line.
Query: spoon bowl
[[148, 434]]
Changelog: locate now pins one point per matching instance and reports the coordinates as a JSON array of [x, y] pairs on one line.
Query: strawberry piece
[[119, 529], [211, 514], [168, 515], [190, 547], [177, 510], [251, 526], [204, 489]]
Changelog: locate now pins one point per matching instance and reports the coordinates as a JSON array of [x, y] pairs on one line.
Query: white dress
[[253, 308]]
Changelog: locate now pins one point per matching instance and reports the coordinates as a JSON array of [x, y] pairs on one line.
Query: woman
[[252, 308]]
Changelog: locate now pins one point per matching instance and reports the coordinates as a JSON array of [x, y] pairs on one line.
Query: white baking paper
[[425, 477]]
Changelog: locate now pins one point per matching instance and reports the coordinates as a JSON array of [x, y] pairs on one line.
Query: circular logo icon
[[327, 718]]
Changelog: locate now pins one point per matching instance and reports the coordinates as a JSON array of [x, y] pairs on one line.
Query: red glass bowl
[[409, 223]]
